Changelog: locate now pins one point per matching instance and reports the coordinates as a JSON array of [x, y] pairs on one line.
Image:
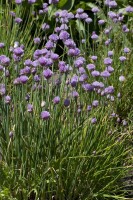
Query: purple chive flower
[[83, 41], [82, 78], [54, 37], [36, 78], [106, 2], [118, 120], [126, 50], [27, 97], [94, 58], [119, 95], [73, 52], [81, 70], [66, 102], [63, 27], [107, 42], [82, 16], [97, 84], [16, 81], [110, 53], [121, 78], [11, 134], [41, 12], [91, 66], [56, 100], [44, 5], [37, 40], [33, 70], [30, 108], [23, 79], [93, 120], [63, 68], [109, 90], [101, 22], [124, 122], [18, 1], [95, 73], [2, 45], [7, 74], [79, 110], [88, 20], [54, 56], [2, 89], [94, 36], [107, 31], [18, 20], [88, 87], [74, 81], [110, 69], [27, 70], [129, 9], [113, 114], [45, 27], [49, 44], [16, 58], [105, 74], [125, 29], [18, 51], [4, 60], [89, 108], [75, 94], [45, 115], [95, 103], [28, 62], [122, 58], [112, 4], [43, 61], [35, 63], [95, 10], [47, 73], [7, 99], [12, 14], [112, 14], [79, 62], [79, 11], [31, 1], [107, 61], [64, 35], [70, 43]]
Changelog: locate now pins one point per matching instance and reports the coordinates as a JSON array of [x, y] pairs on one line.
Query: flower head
[[30, 108], [93, 120], [66, 102], [56, 100], [47, 73], [23, 79], [45, 115], [7, 99], [121, 78]]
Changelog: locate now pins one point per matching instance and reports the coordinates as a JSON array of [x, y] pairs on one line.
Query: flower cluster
[[37, 74]]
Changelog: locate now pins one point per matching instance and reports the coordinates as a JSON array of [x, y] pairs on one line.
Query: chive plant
[[63, 131]]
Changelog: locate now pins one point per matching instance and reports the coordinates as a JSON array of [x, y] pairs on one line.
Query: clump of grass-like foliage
[[65, 102]]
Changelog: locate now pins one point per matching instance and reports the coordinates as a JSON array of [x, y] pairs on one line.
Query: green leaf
[[66, 4], [62, 3], [51, 11], [80, 27]]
